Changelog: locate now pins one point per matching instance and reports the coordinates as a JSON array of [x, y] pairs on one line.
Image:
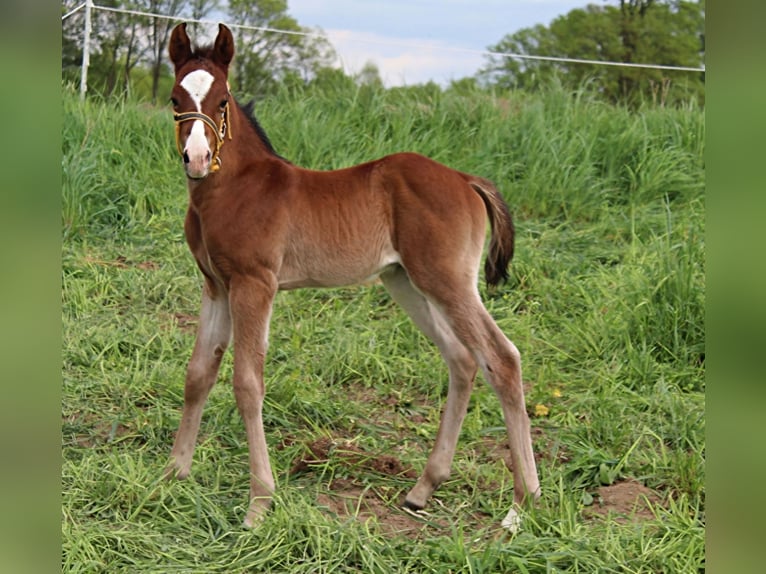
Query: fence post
[[85, 50]]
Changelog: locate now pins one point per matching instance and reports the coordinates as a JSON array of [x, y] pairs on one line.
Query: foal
[[257, 224]]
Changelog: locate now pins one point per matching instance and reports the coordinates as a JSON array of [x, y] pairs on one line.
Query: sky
[[414, 41]]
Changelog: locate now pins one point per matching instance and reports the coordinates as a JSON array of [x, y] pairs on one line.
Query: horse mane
[[248, 110]]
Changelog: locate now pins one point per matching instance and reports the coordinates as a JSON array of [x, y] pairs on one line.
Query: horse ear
[[179, 46], [223, 50]]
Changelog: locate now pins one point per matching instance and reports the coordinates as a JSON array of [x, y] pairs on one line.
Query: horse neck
[[245, 147], [245, 137]]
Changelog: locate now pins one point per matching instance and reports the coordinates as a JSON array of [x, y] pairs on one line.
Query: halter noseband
[[218, 130]]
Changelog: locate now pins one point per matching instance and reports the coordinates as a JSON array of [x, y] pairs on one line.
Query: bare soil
[[348, 498], [345, 452], [625, 501]]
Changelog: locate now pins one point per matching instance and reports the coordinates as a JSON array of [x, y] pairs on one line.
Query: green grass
[[606, 303]]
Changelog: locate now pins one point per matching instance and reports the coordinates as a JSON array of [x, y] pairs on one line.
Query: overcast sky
[[427, 32]]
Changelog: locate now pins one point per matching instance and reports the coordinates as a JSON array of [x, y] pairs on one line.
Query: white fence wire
[[88, 5]]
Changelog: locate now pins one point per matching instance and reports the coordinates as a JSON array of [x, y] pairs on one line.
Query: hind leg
[[462, 370], [500, 361]]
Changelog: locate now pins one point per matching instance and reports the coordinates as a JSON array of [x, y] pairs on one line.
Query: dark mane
[[247, 109]]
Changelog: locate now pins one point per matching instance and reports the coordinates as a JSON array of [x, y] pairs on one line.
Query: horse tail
[[501, 242]]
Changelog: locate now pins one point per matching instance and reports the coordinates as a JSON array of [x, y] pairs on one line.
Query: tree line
[[670, 33], [129, 51]]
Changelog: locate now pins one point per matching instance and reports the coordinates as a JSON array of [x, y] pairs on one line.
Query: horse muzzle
[[198, 157], [197, 166]]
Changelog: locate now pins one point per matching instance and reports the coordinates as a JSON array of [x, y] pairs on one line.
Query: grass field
[[605, 302]]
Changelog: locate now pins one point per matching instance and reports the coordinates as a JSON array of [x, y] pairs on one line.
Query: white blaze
[[197, 84]]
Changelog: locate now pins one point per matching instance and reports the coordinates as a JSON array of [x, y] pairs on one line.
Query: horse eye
[[174, 102], [223, 103]]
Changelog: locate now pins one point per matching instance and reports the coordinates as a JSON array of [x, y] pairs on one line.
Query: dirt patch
[[355, 497], [99, 431], [348, 498], [626, 501], [344, 452]]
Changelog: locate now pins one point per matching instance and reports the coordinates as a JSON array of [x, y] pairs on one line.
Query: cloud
[[403, 61], [413, 41]]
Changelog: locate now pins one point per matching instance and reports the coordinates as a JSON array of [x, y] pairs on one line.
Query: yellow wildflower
[[541, 410]]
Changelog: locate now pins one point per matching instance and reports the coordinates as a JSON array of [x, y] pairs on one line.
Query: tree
[[159, 32], [120, 42], [329, 80], [71, 41], [632, 15], [369, 76], [638, 31], [118, 48], [265, 58]]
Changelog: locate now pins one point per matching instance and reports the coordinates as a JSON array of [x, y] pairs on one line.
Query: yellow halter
[[219, 132]]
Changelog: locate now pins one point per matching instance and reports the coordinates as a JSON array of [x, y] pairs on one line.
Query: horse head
[[200, 99]]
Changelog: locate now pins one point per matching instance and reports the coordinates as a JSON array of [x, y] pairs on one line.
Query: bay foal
[[257, 224]]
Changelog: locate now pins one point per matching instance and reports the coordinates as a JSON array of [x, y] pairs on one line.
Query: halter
[[218, 130]]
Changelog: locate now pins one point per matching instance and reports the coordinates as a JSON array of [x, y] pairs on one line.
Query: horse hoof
[[512, 521]]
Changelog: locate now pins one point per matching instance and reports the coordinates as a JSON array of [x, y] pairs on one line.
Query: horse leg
[[462, 370], [251, 299], [500, 361], [213, 334]]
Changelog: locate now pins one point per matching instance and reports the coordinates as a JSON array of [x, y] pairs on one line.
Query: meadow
[[605, 302]]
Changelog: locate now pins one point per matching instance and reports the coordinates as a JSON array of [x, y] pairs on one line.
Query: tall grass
[[606, 303], [110, 159]]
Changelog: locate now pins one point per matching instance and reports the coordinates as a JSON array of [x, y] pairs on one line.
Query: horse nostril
[[186, 157], [208, 155]]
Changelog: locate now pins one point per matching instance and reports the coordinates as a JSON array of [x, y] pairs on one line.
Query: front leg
[[250, 300], [213, 334]]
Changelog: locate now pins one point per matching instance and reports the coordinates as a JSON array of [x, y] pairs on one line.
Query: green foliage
[[606, 304], [106, 184], [331, 81], [267, 59], [648, 32], [129, 52]]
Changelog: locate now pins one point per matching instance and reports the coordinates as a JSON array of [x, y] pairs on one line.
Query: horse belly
[[351, 265]]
